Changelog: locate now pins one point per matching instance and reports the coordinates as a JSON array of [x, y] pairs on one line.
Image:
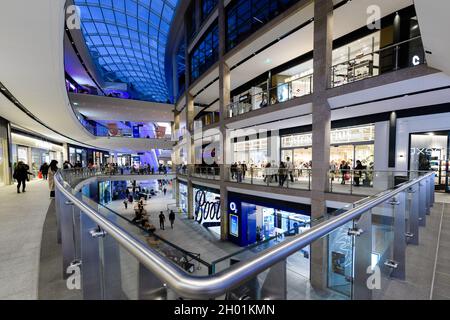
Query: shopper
[[165, 191], [21, 173], [344, 168], [44, 170], [67, 165], [244, 170], [53, 168], [282, 174], [290, 168], [358, 172], [162, 219], [333, 169], [171, 218]]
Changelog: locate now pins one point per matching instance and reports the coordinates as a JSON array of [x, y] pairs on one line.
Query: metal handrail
[[197, 287], [392, 46]]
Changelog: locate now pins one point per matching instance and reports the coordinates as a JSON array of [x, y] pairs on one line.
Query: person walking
[[290, 169], [171, 218], [165, 191], [44, 170], [358, 172], [21, 173], [52, 169], [162, 219], [344, 171]]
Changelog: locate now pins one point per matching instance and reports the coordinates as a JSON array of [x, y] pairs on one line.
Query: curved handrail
[[196, 287]]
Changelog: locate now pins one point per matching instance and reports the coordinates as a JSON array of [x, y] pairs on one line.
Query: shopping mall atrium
[[224, 150]]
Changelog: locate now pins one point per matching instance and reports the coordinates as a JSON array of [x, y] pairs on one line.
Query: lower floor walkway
[[185, 234]]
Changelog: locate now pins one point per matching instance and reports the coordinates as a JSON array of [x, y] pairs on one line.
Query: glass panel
[[340, 260]]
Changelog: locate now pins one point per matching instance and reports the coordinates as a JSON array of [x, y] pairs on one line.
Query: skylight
[[127, 41]]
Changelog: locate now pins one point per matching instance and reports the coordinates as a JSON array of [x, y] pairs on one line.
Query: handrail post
[[399, 208], [413, 219]]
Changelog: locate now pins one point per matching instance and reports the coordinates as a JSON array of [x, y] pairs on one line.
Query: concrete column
[[190, 199], [224, 101], [198, 13], [321, 123]]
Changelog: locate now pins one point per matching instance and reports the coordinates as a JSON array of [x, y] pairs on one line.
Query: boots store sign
[[206, 208]]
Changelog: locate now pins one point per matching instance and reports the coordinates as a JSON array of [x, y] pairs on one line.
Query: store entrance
[[270, 224], [430, 152]]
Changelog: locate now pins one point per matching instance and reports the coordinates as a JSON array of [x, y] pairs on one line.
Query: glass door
[[429, 152]]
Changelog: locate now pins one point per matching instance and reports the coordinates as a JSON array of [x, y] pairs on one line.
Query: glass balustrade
[[281, 93], [404, 54], [360, 248]]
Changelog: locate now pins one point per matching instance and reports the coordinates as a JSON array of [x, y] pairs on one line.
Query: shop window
[[206, 52], [207, 7], [246, 16], [429, 152], [292, 83], [357, 60]]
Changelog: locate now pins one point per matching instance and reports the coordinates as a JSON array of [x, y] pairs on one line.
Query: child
[[125, 203]]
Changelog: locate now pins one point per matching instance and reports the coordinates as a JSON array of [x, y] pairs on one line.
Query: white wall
[[381, 146]]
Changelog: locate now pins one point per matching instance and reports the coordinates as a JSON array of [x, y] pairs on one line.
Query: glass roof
[[127, 41]]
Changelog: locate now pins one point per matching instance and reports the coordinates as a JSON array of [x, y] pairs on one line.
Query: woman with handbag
[[52, 169], [344, 168]]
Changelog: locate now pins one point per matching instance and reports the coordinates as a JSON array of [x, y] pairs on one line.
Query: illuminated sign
[[206, 208], [338, 136], [416, 60], [234, 225]]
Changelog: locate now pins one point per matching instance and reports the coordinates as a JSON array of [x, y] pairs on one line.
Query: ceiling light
[[268, 60]]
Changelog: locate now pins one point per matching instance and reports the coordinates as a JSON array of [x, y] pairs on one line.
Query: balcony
[[281, 93], [401, 55]]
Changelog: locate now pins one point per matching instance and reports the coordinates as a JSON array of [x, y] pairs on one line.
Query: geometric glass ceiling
[[127, 41]]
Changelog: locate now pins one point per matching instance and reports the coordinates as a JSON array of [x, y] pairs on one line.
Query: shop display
[[207, 208], [429, 152]]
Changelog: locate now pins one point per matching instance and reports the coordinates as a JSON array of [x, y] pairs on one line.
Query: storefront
[[34, 152], [123, 160], [104, 192], [4, 152], [78, 155], [292, 83], [347, 144], [253, 219], [83, 156], [430, 152], [251, 151], [206, 208]]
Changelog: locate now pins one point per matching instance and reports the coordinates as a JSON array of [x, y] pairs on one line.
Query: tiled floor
[[186, 233], [427, 264], [21, 219]]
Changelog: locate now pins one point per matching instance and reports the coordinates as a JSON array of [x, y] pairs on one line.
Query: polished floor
[[22, 218], [30, 259]]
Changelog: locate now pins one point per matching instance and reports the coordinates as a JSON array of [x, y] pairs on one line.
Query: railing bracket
[[98, 233], [394, 202], [355, 232], [409, 235], [391, 264]]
